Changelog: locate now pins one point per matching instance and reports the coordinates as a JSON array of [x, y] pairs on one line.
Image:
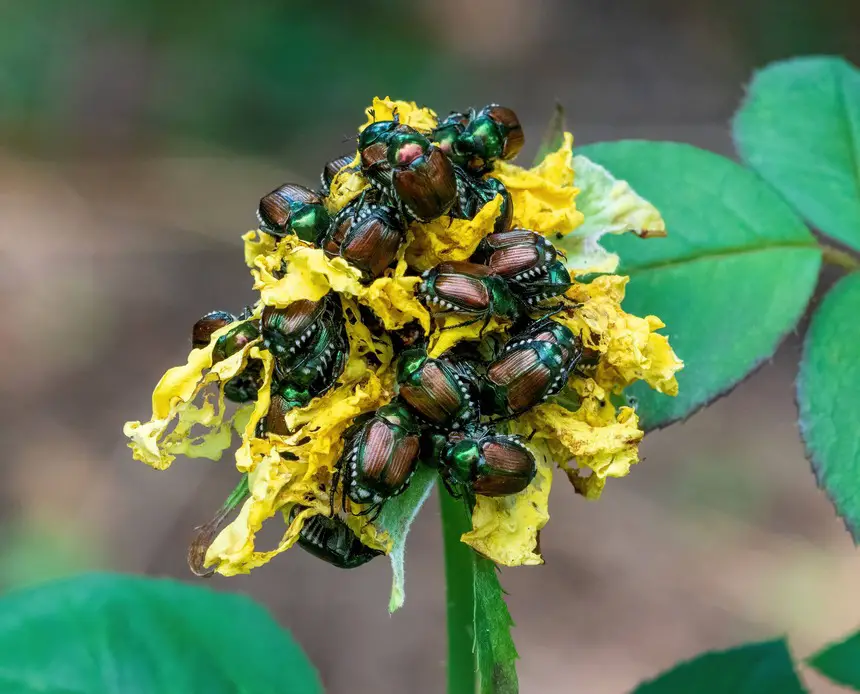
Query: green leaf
[[396, 519], [110, 634], [496, 653], [840, 661], [553, 136], [800, 128], [756, 668], [609, 206], [828, 395], [730, 280]]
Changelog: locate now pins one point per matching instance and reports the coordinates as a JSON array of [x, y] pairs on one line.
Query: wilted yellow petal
[[544, 197], [233, 552], [453, 329], [172, 406], [505, 528], [445, 239], [595, 437], [630, 349], [407, 112], [347, 184], [257, 244]]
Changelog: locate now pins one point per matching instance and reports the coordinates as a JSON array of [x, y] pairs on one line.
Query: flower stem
[[460, 588], [840, 258]]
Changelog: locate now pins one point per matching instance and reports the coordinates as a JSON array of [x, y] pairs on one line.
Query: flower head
[[293, 457]]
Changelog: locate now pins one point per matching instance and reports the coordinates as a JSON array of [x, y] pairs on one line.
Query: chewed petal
[[595, 436], [257, 245], [172, 405], [629, 348], [506, 528], [407, 112], [347, 184], [610, 206], [233, 551], [446, 239], [454, 329], [393, 300], [307, 273], [544, 197]]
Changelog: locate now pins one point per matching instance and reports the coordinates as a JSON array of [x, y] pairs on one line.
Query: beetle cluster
[[446, 407]]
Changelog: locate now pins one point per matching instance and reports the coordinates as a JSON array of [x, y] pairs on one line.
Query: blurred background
[[135, 141]]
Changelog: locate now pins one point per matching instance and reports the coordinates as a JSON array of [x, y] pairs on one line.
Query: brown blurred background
[[135, 140]]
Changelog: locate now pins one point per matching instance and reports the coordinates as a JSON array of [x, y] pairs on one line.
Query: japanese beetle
[[286, 330], [308, 340], [446, 133], [244, 386], [333, 541], [460, 287], [201, 333], [380, 455], [293, 209], [492, 133], [474, 193], [534, 365], [234, 340], [554, 282], [330, 171], [366, 235], [518, 254], [442, 392], [549, 330], [480, 461], [412, 172]]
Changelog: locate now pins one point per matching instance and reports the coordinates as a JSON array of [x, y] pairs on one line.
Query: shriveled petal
[[407, 112], [506, 528], [544, 197], [154, 442], [630, 348], [595, 436], [445, 239], [347, 184], [610, 206], [453, 329], [233, 552], [297, 468], [309, 274]]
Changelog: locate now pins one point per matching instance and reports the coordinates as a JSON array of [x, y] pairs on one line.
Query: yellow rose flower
[[581, 430]]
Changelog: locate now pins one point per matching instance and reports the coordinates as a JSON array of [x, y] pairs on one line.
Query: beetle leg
[[484, 326], [461, 325], [335, 478]]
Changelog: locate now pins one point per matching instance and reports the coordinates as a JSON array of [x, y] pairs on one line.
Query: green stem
[[460, 582], [835, 256]]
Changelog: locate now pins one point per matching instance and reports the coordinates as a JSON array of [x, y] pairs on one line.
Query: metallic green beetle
[[380, 455], [443, 392], [480, 461], [492, 133], [367, 234], [413, 173], [534, 365], [470, 289], [293, 209], [333, 541], [243, 387]]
